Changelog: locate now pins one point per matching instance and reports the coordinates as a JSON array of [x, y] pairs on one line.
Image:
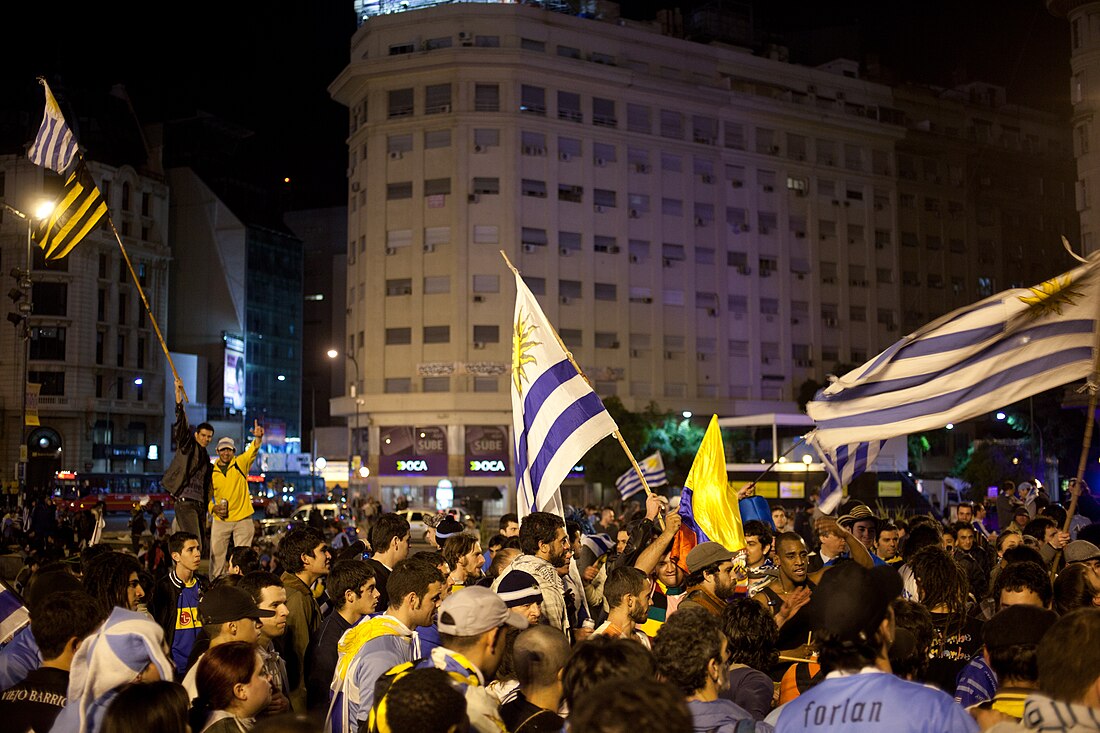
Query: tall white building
[[706, 228]]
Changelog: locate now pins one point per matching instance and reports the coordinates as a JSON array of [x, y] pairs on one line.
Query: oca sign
[[487, 466], [412, 466]]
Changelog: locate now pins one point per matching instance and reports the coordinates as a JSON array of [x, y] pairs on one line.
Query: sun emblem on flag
[[1050, 297], [522, 343]]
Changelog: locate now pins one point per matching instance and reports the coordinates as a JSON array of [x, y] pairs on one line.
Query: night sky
[[267, 65]]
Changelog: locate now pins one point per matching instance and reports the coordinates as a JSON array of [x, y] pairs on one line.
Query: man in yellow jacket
[[231, 503]]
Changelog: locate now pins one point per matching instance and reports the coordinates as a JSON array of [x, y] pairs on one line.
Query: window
[[486, 97], [573, 337], [734, 137], [399, 286], [673, 297], [487, 41], [486, 186], [395, 191], [399, 143], [639, 250], [433, 44], [486, 384], [569, 148], [532, 100], [435, 384], [530, 44], [437, 186], [400, 103], [398, 336], [602, 154], [99, 337], [47, 344], [672, 124], [603, 198], [606, 291], [765, 141], [123, 308], [537, 285], [402, 48], [399, 237], [51, 298], [533, 237], [704, 130], [536, 189], [398, 385], [672, 163], [486, 234], [674, 252], [487, 334], [437, 334], [53, 383], [607, 340], [569, 107], [437, 139], [604, 244], [704, 256], [569, 242], [638, 203], [437, 99], [796, 146], [486, 137], [857, 313], [569, 52], [573, 194], [533, 143], [638, 118], [672, 207], [437, 284], [603, 112], [486, 283]]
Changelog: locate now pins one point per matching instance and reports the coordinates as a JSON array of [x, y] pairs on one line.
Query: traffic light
[[20, 296]]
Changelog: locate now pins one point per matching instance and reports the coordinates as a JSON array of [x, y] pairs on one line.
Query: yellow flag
[[714, 504]]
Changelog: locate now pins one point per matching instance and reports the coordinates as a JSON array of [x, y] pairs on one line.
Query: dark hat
[[851, 601], [1017, 624], [1020, 509], [447, 528], [706, 554], [1081, 551], [224, 603], [855, 512], [432, 520], [519, 588]]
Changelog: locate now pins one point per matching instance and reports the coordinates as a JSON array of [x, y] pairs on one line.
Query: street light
[[332, 354], [42, 209]]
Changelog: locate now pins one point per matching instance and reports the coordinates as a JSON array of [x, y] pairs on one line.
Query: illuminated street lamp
[[332, 354]]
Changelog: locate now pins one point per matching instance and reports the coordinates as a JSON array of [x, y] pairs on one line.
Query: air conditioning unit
[[647, 299], [565, 300], [466, 39], [701, 357], [600, 162], [832, 322], [396, 155], [429, 248], [479, 344], [836, 203], [355, 185], [700, 221], [743, 228], [744, 270], [667, 262], [473, 198], [712, 312], [479, 148], [635, 353], [847, 204], [634, 214], [565, 251], [614, 345], [613, 249], [634, 259], [763, 230], [565, 157], [391, 250], [528, 149], [444, 109], [794, 321], [530, 247], [769, 189], [851, 240], [736, 183], [479, 298], [670, 354], [598, 209], [774, 150], [800, 235], [706, 178]]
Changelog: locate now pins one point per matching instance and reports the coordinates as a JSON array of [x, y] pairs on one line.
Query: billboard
[[486, 451], [412, 451], [233, 376]]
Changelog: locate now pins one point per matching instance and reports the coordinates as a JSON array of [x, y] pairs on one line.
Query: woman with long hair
[[752, 634], [233, 687]]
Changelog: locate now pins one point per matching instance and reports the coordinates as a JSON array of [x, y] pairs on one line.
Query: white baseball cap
[[475, 610]]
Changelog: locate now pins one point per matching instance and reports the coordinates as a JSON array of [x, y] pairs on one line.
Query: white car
[[415, 517]]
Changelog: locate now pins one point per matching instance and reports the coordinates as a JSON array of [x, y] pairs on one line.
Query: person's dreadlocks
[[941, 580]]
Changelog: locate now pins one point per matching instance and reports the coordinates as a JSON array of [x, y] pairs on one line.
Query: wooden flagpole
[[616, 433]]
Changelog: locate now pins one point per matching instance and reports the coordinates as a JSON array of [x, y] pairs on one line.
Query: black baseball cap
[[224, 603]]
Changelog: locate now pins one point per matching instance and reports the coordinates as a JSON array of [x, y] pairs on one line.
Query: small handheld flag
[[55, 146], [653, 468]]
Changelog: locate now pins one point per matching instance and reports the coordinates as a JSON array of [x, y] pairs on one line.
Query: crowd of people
[[591, 623]]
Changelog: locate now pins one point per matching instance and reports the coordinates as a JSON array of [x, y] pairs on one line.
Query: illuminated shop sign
[[412, 451], [487, 451]]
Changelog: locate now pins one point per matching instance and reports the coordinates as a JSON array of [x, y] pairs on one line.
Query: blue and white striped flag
[[55, 146], [842, 465], [653, 468], [13, 614], [966, 363], [556, 417], [599, 544]]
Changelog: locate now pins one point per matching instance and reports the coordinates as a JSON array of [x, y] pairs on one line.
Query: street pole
[[355, 396], [25, 307]]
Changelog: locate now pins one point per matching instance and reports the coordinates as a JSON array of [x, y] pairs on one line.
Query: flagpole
[[145, 302], [777, 460], [569, 356]]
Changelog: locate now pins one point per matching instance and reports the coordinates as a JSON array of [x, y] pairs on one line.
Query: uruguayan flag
[[974, 360], [599, 544], [55, 146], [653, 468], [13, 614], [842, 465], [556, 417]]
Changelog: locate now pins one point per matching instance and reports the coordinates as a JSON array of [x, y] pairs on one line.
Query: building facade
[[707, 228]]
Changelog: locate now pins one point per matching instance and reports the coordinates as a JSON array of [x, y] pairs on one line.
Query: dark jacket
[[166, 597], [190, 457], [302, 623]]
